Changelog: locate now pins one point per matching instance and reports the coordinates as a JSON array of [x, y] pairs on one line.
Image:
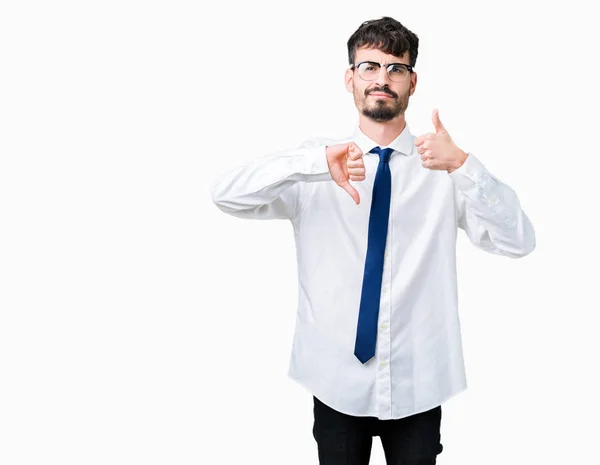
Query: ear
[[413, 82], [348, 79]]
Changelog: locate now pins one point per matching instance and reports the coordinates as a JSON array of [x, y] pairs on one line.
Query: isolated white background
[[141, 325]]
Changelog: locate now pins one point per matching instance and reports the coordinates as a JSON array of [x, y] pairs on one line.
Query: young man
[[377, 339]]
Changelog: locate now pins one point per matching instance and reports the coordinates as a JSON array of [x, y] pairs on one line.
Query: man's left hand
[[438, 150]]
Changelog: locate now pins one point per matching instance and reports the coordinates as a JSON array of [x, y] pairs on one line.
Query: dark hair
[[387, 35]]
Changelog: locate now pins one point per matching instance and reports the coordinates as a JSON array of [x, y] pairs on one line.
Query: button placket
[[383, 377]]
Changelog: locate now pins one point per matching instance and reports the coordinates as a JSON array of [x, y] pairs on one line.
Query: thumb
[[351, 190], [437, 124]]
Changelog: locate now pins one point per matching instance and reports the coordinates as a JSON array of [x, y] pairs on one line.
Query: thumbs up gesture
[[346, 164], [438, 150]]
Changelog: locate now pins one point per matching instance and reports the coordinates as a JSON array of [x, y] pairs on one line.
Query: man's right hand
[[346, 164]]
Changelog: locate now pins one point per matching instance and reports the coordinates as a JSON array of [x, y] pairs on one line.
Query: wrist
[[460, 158]]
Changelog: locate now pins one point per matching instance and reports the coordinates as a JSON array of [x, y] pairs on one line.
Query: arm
[[273, 186], [489, 211]]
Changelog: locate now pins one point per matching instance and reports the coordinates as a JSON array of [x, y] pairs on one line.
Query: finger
[[437, 124], [356, 163], [357, 171], [426, 154], [419, 140], [357, 178], [354, 152], [352, 191]]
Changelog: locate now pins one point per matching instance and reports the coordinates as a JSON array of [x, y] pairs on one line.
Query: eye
[[399, 69]]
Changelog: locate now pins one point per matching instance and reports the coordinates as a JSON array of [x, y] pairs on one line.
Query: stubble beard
[[380, 111]]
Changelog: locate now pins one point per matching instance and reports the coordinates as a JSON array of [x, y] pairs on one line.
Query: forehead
[[374, 54]]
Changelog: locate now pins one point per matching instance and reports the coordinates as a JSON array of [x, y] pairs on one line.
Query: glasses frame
[[387, 69]]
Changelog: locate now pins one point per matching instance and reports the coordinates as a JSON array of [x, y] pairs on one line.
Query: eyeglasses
[[369, 70]]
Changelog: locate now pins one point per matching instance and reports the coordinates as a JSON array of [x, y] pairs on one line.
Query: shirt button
[[387, 253], [384, 326], [382, 364], [384, 290]]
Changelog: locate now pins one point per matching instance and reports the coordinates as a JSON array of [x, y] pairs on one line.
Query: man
[[377, 339]]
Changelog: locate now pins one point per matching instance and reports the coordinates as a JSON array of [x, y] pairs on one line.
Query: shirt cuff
[[314, 164], [469, 173]]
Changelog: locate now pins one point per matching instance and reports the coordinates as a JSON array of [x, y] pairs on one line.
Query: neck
[[383, 133]]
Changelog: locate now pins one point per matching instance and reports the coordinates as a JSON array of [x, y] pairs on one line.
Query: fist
[[346, 164], [438, 150]]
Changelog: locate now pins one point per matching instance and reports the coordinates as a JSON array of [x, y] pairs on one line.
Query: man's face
[[394, 100]]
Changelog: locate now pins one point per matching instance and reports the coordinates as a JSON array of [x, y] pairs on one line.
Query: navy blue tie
[[366, 331]]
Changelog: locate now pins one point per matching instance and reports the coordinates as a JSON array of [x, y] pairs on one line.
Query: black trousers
[[346, 440]]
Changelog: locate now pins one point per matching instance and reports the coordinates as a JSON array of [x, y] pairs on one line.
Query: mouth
[[380, 94]]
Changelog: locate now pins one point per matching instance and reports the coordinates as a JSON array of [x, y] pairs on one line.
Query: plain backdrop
[[141, 325]]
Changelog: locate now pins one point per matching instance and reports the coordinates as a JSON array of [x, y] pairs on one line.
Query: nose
[[382, 77]]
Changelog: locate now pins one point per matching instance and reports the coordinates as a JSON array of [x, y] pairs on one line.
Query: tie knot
[[384, 154]]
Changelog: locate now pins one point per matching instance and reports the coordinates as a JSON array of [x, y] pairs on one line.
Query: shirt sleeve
[[489, 211], [273, 186]]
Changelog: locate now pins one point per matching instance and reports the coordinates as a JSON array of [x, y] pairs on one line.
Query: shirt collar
[[402, 144]]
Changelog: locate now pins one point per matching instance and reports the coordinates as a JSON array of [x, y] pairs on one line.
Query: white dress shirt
[[418, 363]]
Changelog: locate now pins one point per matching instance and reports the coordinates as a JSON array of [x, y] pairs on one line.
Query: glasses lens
[[398, 73], [369, 72]]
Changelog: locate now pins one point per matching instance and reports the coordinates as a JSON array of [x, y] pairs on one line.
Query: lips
[[381, 94]]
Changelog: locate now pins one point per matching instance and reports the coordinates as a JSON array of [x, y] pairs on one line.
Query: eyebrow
[[383, 64]]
